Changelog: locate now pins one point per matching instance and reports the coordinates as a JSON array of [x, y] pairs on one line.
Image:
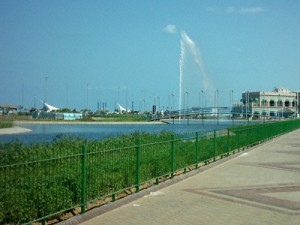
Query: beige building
[[278, 103]]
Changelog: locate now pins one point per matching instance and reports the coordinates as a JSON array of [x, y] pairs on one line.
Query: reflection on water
[[46, 132]]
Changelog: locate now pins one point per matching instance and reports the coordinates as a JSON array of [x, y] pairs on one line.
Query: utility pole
[[46, 79], [87, 95]]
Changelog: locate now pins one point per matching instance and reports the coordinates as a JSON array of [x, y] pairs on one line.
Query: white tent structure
[[49, 108], [122, 109]]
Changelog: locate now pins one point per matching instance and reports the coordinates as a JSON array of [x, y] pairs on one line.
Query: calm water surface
[[47, 132]]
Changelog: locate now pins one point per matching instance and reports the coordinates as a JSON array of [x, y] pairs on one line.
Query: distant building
[[50, 112], [7, 109], [279, 103], [56, 116]]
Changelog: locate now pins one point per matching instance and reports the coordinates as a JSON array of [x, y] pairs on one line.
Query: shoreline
[[89, 122], [18, 129]]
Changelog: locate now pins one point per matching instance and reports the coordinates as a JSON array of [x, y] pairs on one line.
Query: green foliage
[[6, 124], [121, 118]]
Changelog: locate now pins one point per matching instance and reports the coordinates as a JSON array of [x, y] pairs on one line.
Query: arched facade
[[276, 104]]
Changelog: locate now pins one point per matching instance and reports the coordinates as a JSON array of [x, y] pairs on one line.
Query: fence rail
[[41, 182]]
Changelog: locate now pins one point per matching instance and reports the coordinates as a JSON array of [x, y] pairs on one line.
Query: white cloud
[[170, 28], [231, 9], [246, 10], [212, 9]]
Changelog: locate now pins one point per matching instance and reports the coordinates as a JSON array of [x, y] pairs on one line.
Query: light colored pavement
[[259, 187]]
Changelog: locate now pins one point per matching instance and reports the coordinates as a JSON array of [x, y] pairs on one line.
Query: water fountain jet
[[188, 48]]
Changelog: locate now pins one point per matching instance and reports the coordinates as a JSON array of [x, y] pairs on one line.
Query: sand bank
[[14, 130]]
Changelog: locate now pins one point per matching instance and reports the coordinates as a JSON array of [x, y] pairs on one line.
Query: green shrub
[[6, 124]]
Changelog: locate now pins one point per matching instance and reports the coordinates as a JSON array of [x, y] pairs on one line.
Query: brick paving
[[260, 186]]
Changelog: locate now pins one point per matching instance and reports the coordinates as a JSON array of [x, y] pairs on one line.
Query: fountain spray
[[189, 47]]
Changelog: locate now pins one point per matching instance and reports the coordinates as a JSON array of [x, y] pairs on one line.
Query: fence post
[[215, 145], [83, 179], [228, 136], [238, 141], [248, 137], [137, 178], [197, 160], [172, 156]]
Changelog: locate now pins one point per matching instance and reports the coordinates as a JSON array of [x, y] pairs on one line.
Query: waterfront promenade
[[258, 186]]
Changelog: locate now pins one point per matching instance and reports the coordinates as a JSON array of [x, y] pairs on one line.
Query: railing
[[43, 182]]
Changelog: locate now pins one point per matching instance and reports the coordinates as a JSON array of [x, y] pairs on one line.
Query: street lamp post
[[217, 105], [199, 101], [158, 104], [247, 105], [173, 114], [202, 102], [202, 106], [156, 108], [22, 104], [169, 105], [87, 95], [187, 106], [34, 101], [126, 99], [132, 106], [46, 79], [231, 103], [172, 103], [187, 102]]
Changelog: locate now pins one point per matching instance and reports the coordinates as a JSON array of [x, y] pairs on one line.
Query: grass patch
[[6, 124]]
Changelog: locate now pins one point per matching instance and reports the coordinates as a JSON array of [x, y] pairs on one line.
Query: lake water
[[46, 132]]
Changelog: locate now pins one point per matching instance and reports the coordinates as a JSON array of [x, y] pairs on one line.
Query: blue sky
[[129, 51]]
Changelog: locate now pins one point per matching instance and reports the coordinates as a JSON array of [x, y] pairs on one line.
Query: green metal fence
[[41, 182]]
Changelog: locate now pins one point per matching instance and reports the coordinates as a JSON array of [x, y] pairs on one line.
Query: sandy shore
[[14, 130]]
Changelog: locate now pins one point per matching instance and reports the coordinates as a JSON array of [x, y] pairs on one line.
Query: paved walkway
[[261, 186]]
